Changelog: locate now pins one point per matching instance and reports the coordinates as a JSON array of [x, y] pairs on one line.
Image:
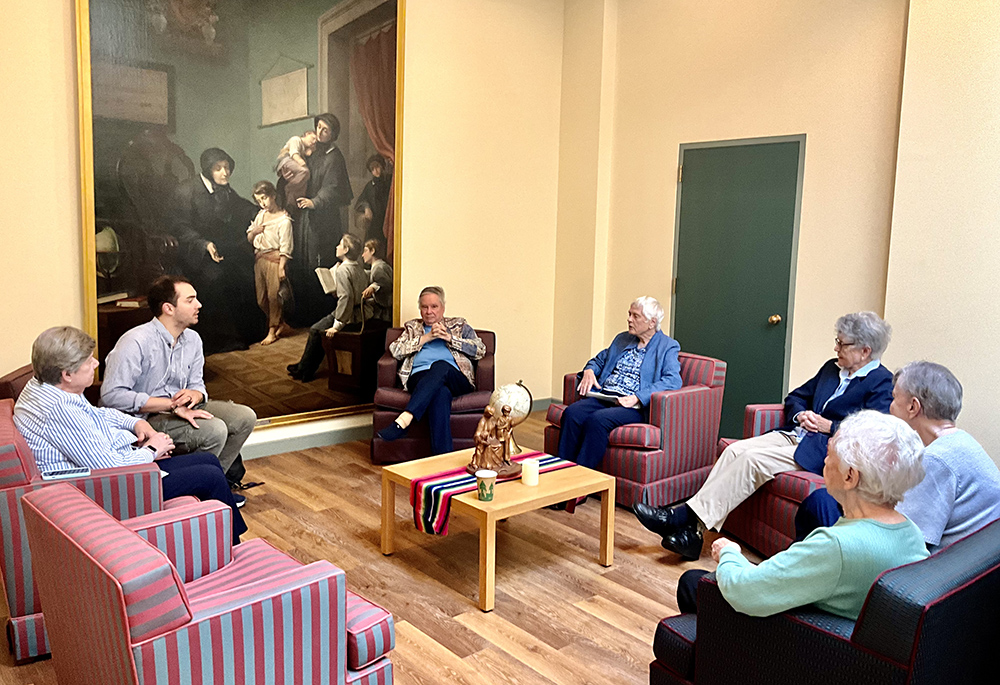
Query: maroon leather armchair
[[391, 399], [13, 383]]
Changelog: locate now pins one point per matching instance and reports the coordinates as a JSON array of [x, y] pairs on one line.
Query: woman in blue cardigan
[[616, 384]]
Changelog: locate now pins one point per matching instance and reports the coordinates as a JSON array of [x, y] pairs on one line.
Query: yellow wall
[[943, 267], [717, 70], [41, 280], [480, 170]]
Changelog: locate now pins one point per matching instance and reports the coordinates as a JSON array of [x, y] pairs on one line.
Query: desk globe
[[519, 399]]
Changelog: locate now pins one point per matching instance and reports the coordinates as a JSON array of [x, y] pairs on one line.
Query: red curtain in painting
[[373, 71]]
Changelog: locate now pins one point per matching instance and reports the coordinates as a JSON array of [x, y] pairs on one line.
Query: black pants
[[431, 392], [687, 591], [200, 475], [312, 355]]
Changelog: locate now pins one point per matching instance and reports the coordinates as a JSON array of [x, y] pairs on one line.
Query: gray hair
[[866, 329], [936, 387], [650, 307], [884, 450], [432, 290], [59, 349]]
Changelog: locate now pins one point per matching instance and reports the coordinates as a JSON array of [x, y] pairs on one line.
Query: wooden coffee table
[[510, 498]]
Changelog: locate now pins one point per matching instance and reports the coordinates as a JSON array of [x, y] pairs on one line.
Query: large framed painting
[[199, 118]]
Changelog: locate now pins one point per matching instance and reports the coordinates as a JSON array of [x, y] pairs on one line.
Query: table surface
[[509, 498]]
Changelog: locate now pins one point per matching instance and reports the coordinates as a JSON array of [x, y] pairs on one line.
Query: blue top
[[436, 350], [64, 430], [147, 363], [833, 568], [660, 370], [960, 492], [871, 391]]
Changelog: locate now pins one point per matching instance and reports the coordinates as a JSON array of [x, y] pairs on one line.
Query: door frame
[[735, 142]]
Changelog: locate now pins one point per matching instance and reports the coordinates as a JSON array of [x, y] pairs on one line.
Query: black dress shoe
[[294, 371], [392, 432], [661, 520], [687, 542]]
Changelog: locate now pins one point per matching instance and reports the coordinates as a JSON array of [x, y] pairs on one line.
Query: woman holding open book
[[350, 280], [617, 383]]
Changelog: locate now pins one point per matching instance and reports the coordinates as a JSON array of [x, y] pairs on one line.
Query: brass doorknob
[[774, 319]]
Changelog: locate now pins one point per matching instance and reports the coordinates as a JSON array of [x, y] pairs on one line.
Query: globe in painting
[[517, 397]]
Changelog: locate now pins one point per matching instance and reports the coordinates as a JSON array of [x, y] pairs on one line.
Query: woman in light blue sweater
[[872, 460]]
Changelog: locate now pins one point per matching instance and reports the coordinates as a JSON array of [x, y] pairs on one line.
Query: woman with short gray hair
[[854, 380], [874, 459], [639, 362]]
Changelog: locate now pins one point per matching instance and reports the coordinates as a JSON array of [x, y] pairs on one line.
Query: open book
[[327, 279]]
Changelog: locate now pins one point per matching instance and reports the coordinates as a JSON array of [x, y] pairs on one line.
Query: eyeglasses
[[840, 344]]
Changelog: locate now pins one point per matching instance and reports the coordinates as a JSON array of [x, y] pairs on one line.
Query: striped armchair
[[668, 459], [766, 520], [123, 492], [165, 599]]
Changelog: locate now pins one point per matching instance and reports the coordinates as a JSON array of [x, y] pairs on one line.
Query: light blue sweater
[[833, 568]]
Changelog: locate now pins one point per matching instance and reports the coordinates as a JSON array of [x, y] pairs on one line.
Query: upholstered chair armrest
[[182, 501], [485, 375], [688, 419], [761, 418], [197, 538], [800, 646], [125, 491], [387, 368], [570, 395]]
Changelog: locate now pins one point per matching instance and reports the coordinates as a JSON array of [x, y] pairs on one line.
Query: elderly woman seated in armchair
[[871, 462], [854, 380], [638, 363]]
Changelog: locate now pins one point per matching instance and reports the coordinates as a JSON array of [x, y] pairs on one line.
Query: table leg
[[487, 562], [388, 513], [608, 526]]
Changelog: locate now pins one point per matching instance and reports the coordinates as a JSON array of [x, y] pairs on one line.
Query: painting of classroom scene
[[249, 146]]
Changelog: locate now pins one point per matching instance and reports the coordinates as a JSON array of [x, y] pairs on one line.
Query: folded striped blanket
[[431, 495]]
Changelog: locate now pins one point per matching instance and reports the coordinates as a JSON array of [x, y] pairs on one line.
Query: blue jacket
[[873, 391], [661, 370]]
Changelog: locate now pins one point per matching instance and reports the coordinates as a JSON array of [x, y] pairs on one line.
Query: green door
[[737, 214]]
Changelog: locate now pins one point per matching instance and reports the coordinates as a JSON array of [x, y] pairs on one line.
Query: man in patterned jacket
[[437, 355]]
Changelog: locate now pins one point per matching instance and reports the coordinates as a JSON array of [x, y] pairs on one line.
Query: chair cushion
[[641, 435], [554, 414], [397, 398], [674, 643], [370, 632], [253, 560]]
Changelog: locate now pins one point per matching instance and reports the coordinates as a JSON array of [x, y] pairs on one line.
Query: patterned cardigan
[[465, 346]]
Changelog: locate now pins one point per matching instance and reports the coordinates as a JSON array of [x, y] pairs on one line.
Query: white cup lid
[[486, 473]]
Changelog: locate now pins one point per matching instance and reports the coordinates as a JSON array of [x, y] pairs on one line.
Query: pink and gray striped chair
[[124, 492], [668, 459], [766, 520], [165, 598]]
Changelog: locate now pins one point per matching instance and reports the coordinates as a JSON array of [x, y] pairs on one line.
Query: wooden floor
[[560, 617]]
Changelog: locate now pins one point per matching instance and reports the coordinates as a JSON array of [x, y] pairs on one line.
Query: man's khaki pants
[[223, 436], [743, 467]]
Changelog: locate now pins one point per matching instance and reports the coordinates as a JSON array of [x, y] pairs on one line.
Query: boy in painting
[[271, 235], [292, 165]]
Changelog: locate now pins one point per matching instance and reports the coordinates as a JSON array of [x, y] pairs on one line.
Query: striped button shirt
[[64, 430]]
